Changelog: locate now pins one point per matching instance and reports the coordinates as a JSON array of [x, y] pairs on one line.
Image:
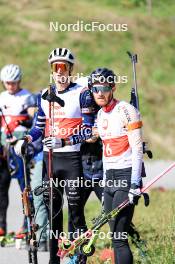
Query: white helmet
[[61, 54], [11, 73]]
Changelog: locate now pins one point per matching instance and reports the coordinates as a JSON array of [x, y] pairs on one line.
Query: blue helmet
[[102, 75]]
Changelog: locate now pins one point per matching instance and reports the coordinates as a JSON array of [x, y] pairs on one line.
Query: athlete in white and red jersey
[[119, 127], [14, 121], [13, 104], [72, 117]]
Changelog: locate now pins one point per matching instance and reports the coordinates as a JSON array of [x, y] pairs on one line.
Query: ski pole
[[149, 184], [7, 126], [50, 173]]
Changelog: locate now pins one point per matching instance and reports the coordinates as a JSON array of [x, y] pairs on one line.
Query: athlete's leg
[[74, 191], [4, 187], [120, 224], [85, 195], [57, 207], [40, 207]]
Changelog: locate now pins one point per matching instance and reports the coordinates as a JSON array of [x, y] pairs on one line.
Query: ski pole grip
[[129, 54], [133, 57]]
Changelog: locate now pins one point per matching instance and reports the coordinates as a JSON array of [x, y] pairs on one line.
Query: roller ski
[[11, 239], [139, 243], [7, 240], [68, 248], [85, 242]]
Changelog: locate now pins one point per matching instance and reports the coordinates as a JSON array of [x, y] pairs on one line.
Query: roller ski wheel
[[2, 241], [7, 240], [87, 250]]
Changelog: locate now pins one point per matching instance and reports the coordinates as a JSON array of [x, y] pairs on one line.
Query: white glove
[[134, 195], [53, 142], [19, 147]]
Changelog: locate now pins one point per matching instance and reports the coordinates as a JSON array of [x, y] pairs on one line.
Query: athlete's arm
[[88, 111], [37, 131], [133, 124]]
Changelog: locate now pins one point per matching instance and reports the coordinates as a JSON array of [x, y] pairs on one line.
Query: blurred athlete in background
[[14, 123]]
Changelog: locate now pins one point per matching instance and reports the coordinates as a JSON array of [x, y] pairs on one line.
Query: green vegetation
[[156, 225], [27, 41]]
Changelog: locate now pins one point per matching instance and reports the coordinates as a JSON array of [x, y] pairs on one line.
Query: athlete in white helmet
[[73, 117], [11, 73], [14, 122], [61, 54]]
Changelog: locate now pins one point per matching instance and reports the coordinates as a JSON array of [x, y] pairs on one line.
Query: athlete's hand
[[20, 147], [134, 195], [53, 142]]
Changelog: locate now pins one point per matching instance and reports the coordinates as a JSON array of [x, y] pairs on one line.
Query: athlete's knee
[[119, 240]]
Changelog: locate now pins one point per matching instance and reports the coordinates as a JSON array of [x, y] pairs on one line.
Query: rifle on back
[[135, 97]]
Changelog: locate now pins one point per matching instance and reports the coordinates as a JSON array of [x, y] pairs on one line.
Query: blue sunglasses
[[103, 89]]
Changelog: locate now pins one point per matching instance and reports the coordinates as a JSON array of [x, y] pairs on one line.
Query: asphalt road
[[10, 255]]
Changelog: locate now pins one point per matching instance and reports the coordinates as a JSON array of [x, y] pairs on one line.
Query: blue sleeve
[[88, 107], [39, 123], [88, 112]]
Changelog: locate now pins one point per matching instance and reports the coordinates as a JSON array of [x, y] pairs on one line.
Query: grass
[[156, 225], [27, 41]]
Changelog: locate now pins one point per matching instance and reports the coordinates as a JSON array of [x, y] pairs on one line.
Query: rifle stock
[[26, 202], [28, 209]]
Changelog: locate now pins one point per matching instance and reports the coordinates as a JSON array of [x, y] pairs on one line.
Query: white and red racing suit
[[14, 109], [119, 127]]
